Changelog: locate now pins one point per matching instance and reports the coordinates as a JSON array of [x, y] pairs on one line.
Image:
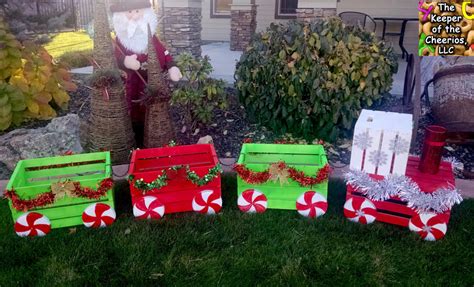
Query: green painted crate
[[32, 177], [306, 158]]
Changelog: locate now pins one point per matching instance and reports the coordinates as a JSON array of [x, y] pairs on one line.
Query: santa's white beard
[[134, 34]]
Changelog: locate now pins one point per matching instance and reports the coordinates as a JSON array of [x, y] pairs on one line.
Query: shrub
[[312, 79], [31, 85], [76, 59], [198, 94]]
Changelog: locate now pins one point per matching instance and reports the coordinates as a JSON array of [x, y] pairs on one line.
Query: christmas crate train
[[175, 179], [64, 191], [280, 176], [418, 200]]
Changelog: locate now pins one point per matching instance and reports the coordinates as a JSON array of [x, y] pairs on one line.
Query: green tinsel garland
[[162, 180], [158, 183], [200, 181]]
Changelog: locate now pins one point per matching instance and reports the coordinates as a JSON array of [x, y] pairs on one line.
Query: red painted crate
[[394, 210], [180, 194]]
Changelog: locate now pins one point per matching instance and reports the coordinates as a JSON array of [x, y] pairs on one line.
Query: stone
[[58, 137], [309, 14], [181, 30], [8, 157], [206, 140], [243, 25]]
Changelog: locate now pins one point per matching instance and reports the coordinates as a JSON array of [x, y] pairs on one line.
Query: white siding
[[266, 14], [214, 29], [394, 8]]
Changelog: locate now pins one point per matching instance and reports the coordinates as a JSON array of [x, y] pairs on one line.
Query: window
[[286, 8], [220, 8]]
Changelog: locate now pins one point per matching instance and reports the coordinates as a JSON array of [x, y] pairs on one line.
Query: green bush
[[76, 59], [197, 93], [31, 85], [313, 79]]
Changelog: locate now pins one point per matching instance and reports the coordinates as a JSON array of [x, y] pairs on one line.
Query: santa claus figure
[[131, 19]]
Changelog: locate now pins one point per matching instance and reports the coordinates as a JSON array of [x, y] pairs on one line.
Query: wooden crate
[[394, 210], [180, 194], [309, 159], [34, 177]]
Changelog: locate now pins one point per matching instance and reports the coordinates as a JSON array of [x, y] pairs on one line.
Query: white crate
[[381, 142]]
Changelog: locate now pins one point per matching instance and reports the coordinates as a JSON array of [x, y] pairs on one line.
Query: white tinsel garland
[[406, 189]]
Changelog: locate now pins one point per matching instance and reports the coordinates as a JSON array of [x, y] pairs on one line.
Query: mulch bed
[[230, 128]]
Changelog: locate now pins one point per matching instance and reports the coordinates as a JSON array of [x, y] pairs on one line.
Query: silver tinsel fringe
[[457, 166], [406, 189]]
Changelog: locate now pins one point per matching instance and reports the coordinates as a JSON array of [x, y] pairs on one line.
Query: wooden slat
[[196, 156], [283, 148], [47, 181], [177, 181], [98, 168], [78, 158], [30, 190]]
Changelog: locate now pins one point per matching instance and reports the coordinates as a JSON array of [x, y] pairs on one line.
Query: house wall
[[266, 14], [218, 29], [214, 29], [394, 8]]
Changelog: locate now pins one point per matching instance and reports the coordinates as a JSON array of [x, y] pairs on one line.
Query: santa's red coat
[[134, 85]]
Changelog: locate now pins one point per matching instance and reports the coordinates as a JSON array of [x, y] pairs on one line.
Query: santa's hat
[[127, 5]]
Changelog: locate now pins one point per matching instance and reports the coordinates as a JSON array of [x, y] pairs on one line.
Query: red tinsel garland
[[303, 180], [86, 192], [296, 175], [48, 198], [25, 205], [251, 177]]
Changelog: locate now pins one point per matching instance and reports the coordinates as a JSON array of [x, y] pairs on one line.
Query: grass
[[235, 249], [69, 42]]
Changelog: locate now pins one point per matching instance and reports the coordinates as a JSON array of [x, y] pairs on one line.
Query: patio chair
[[409, 84], [359, 19]]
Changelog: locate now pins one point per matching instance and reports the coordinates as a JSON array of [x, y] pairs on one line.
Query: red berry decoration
[[32, 224]]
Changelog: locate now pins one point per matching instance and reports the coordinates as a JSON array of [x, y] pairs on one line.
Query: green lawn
[[69, 42], [235, 249]]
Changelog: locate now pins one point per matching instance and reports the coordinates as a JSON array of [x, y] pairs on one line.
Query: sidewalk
[[223, 61]]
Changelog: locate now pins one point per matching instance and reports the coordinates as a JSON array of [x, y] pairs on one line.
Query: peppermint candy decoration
[[148, 207], [311, 204], [32, 224], [98, 215], [252, 201], [207, 202], [430, 226], [361, 210]]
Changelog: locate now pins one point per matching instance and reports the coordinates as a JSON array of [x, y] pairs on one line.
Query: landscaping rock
[[58, 137], [205, 140]]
